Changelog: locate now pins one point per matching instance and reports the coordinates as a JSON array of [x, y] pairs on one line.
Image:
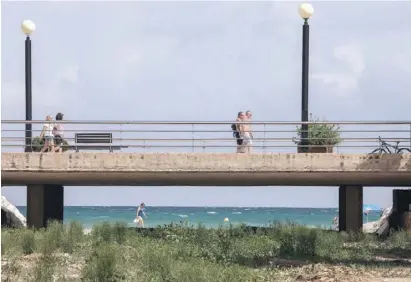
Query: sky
[[206, 61]]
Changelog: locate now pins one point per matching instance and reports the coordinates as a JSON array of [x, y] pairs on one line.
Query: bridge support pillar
[[351, 208], [401, 209], [44, 203]]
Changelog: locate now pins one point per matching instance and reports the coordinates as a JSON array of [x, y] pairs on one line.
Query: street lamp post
[[28, 27], [305, 11]]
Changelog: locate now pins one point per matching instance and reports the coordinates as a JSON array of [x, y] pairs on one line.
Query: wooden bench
[[104, 141]]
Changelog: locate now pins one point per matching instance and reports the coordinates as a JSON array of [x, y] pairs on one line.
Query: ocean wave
[[212, 212], [236, 212], [101, 216], [180, 215]]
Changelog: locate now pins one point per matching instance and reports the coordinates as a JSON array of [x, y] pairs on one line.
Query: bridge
[[206, 169], [205, 160]]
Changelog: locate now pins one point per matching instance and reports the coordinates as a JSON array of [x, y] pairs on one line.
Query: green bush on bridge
[[37, 143], [320, 134]]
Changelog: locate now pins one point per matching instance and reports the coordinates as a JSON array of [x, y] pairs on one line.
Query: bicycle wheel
[[400, 151], [379, 151]]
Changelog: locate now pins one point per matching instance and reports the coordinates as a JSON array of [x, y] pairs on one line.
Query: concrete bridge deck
[[206, 169]]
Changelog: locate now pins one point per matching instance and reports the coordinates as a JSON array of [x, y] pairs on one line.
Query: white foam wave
[[212, 212], [236, 212]]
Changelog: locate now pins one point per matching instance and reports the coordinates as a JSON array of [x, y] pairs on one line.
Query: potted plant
[[37, 143], [321, 137]]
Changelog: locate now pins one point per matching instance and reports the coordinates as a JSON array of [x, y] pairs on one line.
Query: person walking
[[58, 133], [248, 130], [239, 128], [246, 135], [140, 213], [47, 135]]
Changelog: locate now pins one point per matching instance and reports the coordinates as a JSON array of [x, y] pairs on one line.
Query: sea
[[211, 217]]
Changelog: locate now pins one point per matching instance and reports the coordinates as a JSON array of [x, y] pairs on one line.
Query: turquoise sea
[[208, 216]]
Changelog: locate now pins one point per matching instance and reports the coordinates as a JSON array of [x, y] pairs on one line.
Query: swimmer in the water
[[140, 214]]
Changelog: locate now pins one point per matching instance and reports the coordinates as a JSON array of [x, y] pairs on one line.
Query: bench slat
[[93, 138]]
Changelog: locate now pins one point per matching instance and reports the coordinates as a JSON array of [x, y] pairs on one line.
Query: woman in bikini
[[140, 214]]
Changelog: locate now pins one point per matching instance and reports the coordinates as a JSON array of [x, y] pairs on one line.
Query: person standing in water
[[140, 214]]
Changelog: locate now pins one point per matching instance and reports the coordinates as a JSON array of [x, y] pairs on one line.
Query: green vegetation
[[283, 252], [37, 143], [320, 134]]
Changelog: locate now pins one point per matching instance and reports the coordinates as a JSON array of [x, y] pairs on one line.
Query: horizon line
[[161, 206]]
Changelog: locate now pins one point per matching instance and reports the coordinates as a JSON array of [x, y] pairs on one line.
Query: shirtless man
[[248, 135]]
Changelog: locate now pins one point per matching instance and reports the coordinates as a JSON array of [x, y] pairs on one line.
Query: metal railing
[[213, 136]]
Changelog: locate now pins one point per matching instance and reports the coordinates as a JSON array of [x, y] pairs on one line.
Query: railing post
[[410, 136], [192, 137], [121, 134], [144, 145], [264, 138]]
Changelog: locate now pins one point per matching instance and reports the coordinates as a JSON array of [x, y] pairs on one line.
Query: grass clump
[[101, 264], [28, 243], [52, 238], [113, 252], [45, 268]]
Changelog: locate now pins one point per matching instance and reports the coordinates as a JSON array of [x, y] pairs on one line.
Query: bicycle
[[385, 148]]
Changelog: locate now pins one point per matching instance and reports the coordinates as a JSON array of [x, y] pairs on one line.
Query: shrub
[[102, 233], [28, 243], [101, 265], [158, 263], [320, 134], [298, 241], [52, 237], [37, 143], [73, 236], [10, 242], [254, 251], [400, 240], [45, 268], [120, 232]]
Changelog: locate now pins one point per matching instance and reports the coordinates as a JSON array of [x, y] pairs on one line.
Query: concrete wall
[[206, 169]]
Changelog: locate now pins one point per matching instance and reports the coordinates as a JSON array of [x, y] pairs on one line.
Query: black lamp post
[[306, 11], [28, 27]]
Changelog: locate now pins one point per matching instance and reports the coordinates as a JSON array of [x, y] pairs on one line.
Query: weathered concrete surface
[[206, 169]]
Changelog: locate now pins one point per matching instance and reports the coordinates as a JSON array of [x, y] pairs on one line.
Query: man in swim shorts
[[247, 135], [140, 214]]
